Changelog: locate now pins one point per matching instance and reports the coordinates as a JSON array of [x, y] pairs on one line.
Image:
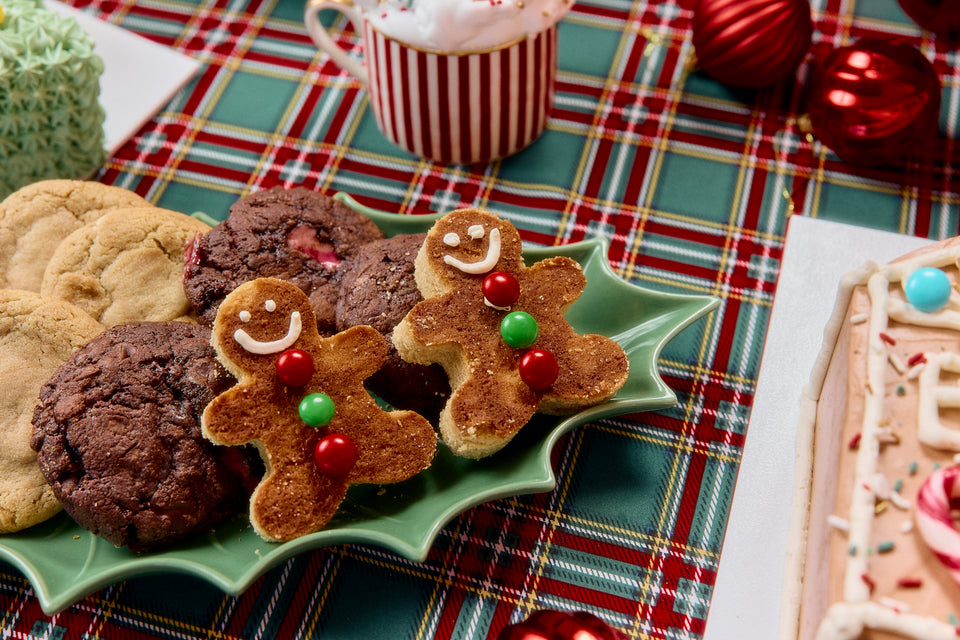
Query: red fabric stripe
[[441, 108], [387, 95], [522, 120], [486, 98], [371, 47], [426, 135], [407, 123], [539, 72], [466, 89], [506, 99]]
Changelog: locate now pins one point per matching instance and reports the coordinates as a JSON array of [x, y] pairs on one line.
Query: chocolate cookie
[[297, 235], [117, 435], [378, 289]]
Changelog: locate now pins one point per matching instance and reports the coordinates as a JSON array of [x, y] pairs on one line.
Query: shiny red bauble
[[538, 368], [501, 289], [751, 43], [336, 454], [295, 367], [942, 17], [548, 624], [875, 102]]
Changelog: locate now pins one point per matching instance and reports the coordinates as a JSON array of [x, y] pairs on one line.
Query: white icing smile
[[274, 346], [488, 262]]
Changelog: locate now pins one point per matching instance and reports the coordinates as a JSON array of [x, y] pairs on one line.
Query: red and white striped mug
[[450, 107]]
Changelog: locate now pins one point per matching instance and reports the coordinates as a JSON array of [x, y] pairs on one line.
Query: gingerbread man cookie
[[498, 328], [301, 401]]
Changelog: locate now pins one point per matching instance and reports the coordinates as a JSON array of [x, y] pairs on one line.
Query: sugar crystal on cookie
[[318, 436], [501, 360]]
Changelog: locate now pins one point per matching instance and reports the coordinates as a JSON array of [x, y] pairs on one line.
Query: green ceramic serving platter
[[64, 562]]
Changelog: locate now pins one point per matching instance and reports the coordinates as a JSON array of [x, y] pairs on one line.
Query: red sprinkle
[[854, 442], [917, 358], [886, 338], [910, 583], [867, 580]]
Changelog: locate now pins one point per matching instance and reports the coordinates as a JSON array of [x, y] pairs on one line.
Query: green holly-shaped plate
[[64, 562]]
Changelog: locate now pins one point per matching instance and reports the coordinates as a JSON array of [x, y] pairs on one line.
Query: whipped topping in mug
[[459, 26]]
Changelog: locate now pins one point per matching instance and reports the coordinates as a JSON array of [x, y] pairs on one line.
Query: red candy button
[[548, 624], [538, 368], [336, 454], [295, 367], [501, 289]]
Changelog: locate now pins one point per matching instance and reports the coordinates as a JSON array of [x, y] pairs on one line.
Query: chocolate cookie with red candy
[[297, 235], [301, 402]]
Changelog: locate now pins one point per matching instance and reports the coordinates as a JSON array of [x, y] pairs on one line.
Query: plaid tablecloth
[[692, 184]]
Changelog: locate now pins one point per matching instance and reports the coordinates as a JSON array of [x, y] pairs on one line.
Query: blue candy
[[928, 289]]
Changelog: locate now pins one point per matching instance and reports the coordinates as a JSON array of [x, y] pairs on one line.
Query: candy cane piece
[[934, 520]]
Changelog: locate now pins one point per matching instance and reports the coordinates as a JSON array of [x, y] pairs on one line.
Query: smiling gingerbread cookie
[[301, 401], [498, 329]]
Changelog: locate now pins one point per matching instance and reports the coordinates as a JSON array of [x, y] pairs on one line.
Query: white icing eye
[[270, 306], [451, 240], [244, 316], [476, 231]]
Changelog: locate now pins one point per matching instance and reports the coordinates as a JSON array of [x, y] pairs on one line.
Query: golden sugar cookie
[[498, 328], [301, 401], [126, 266], [37, 335], [35, 219]]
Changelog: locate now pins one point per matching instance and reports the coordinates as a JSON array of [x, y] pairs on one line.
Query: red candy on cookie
[[301, 401], [498, 329]]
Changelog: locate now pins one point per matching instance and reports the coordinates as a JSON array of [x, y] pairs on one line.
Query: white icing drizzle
[[475, 231], [487, 263], [863, 500], [270, 306], [847, 619], [244, 316], [932, 396], [451, 240], [838, 523], [273, 346]]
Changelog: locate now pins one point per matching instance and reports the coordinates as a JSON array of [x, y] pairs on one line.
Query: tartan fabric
[[690, 182]]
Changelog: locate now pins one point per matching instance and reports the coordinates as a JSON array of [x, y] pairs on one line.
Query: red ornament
[[751, 43], [942, 17], [538, 368], [336, 454], [295, 367], [875, 101], [548, 624], [501, 289]]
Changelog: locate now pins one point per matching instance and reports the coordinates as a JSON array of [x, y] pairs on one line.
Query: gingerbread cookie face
[[498, 328], [301, 401]]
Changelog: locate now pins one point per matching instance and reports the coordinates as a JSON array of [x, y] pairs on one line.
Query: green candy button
[[317, 409], [519, 329]]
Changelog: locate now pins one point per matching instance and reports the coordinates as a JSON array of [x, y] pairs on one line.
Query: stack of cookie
[[172, 364], [90, 354]]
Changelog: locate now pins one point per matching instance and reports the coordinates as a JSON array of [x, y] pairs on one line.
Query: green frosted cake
[[51, 120]]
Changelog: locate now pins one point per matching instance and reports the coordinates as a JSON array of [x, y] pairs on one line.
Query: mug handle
[[323, 40]]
